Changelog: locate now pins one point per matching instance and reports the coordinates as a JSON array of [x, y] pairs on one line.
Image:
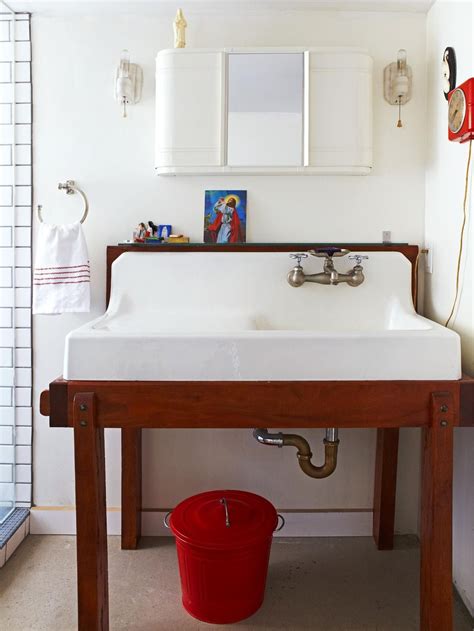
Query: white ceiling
[[58, 7]]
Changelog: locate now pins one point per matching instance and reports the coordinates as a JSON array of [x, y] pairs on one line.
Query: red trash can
[[223, 541]]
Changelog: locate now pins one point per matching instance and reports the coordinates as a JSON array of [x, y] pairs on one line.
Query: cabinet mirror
[[265, 109]]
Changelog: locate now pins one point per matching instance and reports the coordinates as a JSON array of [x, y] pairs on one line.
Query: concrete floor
[[328, 584]]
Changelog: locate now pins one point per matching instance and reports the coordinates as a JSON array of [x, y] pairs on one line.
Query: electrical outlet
[[429, 258]]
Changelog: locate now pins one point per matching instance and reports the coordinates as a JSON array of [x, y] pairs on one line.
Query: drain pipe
[[304, 455]]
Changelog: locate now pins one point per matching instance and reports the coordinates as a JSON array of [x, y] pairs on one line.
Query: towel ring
[[70, 187]]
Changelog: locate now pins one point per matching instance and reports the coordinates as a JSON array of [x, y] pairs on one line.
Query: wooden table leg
[[385, 487], [436, 591], [131, 487], [91, 542]]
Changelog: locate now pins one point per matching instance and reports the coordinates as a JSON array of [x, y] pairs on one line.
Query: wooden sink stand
[[91, 406]]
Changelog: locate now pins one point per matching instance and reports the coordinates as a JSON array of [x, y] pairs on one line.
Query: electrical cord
[[463, 228]]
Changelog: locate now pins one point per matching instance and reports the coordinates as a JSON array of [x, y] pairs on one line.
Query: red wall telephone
[[461, 112]]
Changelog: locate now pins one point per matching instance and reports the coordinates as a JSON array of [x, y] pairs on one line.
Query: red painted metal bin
[[223, 541]]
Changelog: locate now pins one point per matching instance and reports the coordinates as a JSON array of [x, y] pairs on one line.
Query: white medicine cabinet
[[267, 111]]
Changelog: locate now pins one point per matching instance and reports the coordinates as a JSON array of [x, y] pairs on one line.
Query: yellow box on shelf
[[177, 238]]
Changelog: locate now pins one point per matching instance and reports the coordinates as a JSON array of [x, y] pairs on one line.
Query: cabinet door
[[340, 110], [189, 107]]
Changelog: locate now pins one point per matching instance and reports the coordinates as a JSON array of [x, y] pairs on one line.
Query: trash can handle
[[223, 501], [166, 519], [282, 522]]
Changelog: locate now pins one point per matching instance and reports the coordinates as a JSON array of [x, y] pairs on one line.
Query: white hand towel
[[61, 281]]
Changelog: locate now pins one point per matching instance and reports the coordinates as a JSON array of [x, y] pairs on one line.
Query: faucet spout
[[321, 278]]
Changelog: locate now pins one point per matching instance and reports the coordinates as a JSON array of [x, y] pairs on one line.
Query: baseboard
[[61, 520]]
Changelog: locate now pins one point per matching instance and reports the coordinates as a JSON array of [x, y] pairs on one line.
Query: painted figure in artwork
[[179, 26], [225, 216], [226, 225]]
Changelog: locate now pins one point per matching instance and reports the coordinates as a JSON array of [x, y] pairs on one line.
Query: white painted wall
[[451, 24], [79, 134]]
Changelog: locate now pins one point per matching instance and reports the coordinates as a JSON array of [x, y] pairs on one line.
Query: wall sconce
[[128, 82], [397, 83]]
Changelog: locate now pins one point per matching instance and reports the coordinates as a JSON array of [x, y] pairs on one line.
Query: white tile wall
[[7, 417], [22, 335], [23, 397], [6, 114], [24, 416], [5, 317], [23, 275], [6, 397], [22, 455], [7, 376], [6, 436], [6, 473], [6, 357], [23, 435], [6, 277], [23, 216], [6, 336], [23, 474], [23, 71], [22, 358], [5, 236], [22, 296], [23, 255], [6, 195], [15, 264], [5, 155], [4, 31]]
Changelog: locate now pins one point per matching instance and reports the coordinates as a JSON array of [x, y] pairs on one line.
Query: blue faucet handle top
[[329, 251]]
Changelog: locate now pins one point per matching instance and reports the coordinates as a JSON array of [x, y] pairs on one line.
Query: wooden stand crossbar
[[436, 406]]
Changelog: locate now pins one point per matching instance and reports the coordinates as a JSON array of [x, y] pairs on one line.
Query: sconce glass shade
[[128, 81], [402, 61], [398, 77]]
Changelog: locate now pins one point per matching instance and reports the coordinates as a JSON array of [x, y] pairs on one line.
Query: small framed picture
[[225, 216]]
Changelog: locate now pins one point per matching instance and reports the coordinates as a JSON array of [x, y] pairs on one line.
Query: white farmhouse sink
[[203, 316]]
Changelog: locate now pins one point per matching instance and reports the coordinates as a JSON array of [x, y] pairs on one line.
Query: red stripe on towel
[[65, 276], [65, 266], [45, 281], [40, 281], [66, 271], [64, 282]]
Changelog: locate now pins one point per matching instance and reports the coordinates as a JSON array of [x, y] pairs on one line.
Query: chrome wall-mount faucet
[[329, 276]]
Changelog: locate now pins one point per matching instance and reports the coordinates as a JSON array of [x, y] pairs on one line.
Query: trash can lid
[[223, 519]]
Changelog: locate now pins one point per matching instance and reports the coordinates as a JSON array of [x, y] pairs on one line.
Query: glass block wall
[[15, 261]]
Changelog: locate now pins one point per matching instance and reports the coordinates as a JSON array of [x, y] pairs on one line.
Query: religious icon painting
[[225, 216]]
